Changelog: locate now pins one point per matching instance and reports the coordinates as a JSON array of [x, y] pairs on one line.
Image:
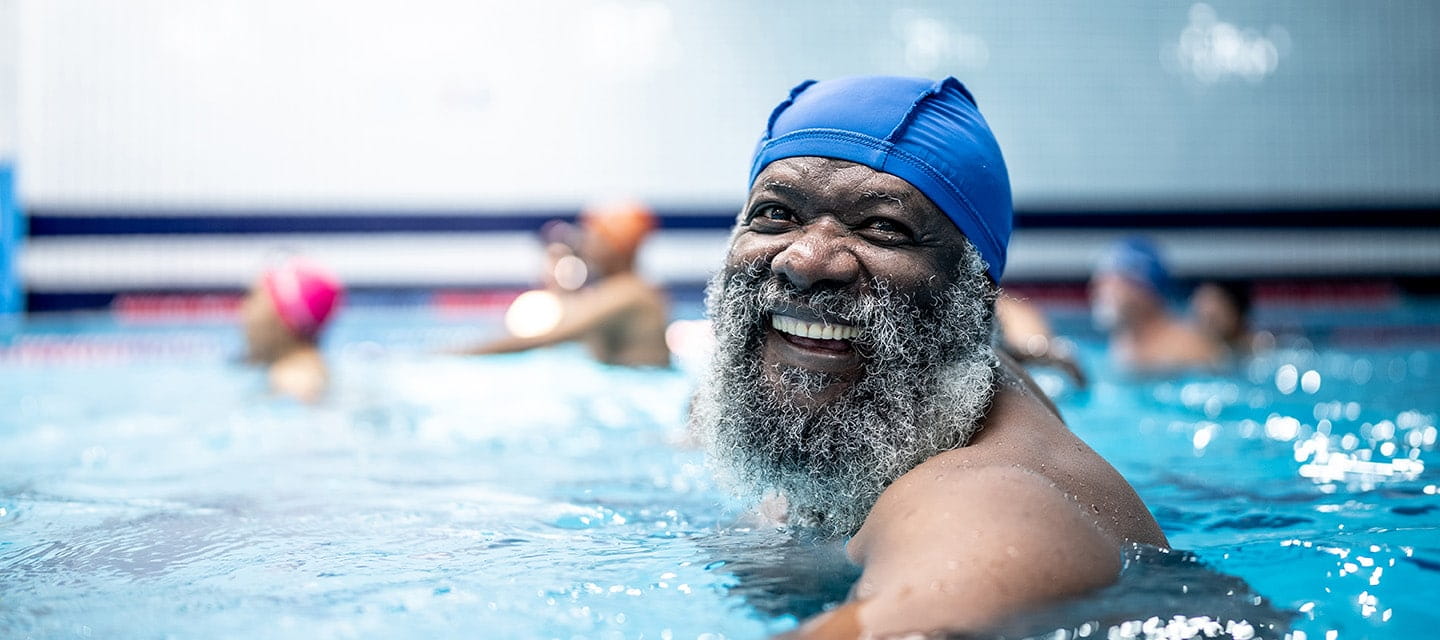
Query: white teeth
[[815, 330]]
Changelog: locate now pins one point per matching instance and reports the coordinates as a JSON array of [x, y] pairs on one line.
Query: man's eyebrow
[[783, 187], [882, 195]]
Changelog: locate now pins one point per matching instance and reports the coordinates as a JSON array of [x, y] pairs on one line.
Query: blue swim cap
[[1137, 259], [928, 133]]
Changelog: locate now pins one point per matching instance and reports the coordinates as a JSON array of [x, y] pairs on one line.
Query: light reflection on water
[[542, 496], [1311, 475]]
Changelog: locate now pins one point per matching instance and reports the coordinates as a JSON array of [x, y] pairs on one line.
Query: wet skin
[[620, 317], [294, 365], [829, 224], [1025, 514], [1144, 337]]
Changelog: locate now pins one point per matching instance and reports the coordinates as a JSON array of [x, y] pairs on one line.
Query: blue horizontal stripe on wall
[[45, 221], [50, 222]]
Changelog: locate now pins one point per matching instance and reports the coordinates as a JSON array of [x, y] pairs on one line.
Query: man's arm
[[959, 549]]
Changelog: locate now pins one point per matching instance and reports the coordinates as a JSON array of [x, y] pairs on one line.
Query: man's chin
[[801, 387], [804, 396]]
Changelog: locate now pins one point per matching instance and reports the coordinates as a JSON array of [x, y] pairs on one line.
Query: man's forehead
[[828, 177]]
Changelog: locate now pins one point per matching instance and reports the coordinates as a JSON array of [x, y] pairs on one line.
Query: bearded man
[[856, 375]]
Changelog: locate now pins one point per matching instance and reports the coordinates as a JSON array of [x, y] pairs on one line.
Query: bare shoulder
[[985, 502], [962, 547], [301, 376], [1189, 345], [1024, 434], [625, 286], [626, 292]]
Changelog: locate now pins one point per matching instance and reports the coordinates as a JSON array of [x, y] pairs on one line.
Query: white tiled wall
[[362, 103]]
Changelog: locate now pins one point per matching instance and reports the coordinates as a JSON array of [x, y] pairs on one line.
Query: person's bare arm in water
[[584, 312]]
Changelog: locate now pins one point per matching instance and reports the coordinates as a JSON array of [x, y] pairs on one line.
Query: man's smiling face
[[827, 226], [853, 340]]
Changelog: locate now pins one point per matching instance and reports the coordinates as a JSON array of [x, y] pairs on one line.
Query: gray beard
[[927, 380]]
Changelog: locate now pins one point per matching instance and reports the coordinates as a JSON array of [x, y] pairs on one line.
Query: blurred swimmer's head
[[854, 315], [1138, 260], [614, 231], [289, 306], [1130, 282], [1222, 309]]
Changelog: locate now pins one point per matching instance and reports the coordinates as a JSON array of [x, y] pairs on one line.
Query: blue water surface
[[151, 488]]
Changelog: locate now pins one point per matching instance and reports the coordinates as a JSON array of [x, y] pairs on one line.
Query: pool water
[[150, 488]]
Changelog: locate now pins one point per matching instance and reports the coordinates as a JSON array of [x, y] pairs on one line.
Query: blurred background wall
[[168, 145]]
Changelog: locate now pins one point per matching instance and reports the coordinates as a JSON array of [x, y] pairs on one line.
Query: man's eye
[[772, 215], [888, 228]]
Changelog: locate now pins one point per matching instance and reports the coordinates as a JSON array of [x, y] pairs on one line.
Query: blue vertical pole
[[12, 300], [12, 224]]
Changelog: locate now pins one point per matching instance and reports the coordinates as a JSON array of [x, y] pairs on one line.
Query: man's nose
[[818, 257]]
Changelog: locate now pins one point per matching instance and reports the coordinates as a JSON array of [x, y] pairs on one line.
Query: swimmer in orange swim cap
[[618, 315], [283, 316]]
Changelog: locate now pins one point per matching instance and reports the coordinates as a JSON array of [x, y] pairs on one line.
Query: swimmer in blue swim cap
[[1128, 293], [856, 379]]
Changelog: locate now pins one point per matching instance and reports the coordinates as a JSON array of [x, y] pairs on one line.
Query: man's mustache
[[769, 291]]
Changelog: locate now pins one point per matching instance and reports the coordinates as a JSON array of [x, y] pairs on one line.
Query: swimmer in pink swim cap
[[283, 316]]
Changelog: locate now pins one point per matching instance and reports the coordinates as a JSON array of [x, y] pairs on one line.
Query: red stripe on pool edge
[[166, 307], [64, 349], [1338, 293], [453, 303], [224, 306]]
